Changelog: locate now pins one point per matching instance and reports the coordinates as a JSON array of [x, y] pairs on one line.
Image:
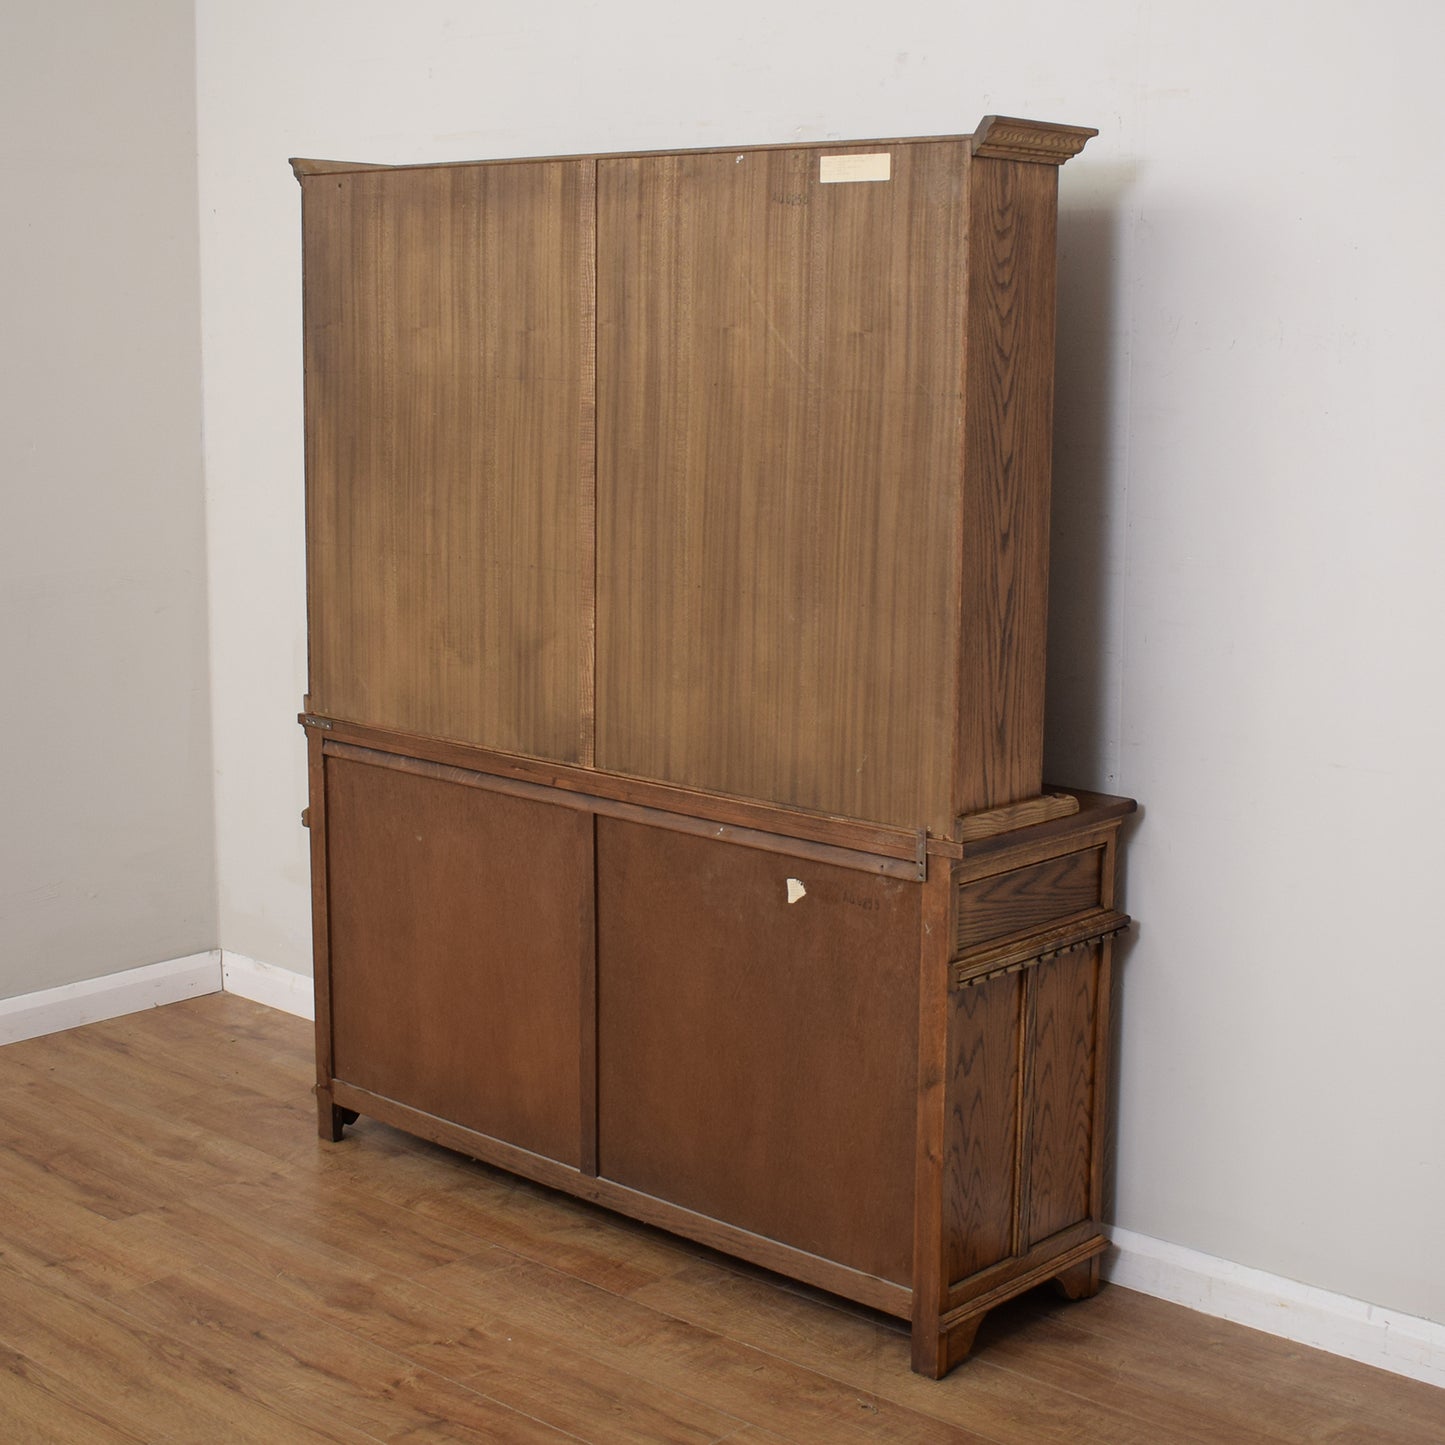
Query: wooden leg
[[1080, 1281], [331, 1118], [961, 1337], [936, 1352]]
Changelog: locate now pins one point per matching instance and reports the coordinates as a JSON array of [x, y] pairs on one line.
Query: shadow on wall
[[1082, 720], [1081, 726]]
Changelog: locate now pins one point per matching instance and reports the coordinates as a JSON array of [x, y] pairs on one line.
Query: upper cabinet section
[[728, 469], [780, 416]]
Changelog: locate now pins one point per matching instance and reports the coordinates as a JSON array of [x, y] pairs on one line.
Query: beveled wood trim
[[867, 1289], [302, 167], [1000, 137], [982, 1291], [1037, 948], [971, 869], [587, 1011], [930, 1157], [1006, 138], [328, 1122], [1043, 809], [766, 842], [1098, 818], [850, 835]]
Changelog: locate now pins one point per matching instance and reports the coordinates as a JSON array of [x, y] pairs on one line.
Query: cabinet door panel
[[758, 1057], [449, 397], [780, 372], [460, 926]]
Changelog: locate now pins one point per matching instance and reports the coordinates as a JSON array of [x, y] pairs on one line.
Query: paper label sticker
[[875, 166], [796, 890]]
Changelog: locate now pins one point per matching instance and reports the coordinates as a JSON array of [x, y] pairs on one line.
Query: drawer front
[[1020, 900]]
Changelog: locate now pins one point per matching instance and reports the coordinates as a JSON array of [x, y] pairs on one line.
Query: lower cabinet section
[[888, 1085]]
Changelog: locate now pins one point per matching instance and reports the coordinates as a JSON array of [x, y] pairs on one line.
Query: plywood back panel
[[779, 447], [449, 394], [755, 1039], [461, 937]]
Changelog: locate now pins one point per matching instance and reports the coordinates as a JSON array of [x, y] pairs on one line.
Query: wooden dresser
[[677, 540]]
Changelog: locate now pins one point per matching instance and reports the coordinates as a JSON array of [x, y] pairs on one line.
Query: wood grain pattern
[[1060, 1102], [779, 415], [847, 833], [1020, 899], [752, 1051], [703, 827], [930, 1181], [1008, 449], [1042, 809], [449, 401], [460, 935], [983, 1125]]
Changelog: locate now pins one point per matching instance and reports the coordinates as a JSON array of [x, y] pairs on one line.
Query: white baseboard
[[277, 988], [92, 999], [1403, 1344]]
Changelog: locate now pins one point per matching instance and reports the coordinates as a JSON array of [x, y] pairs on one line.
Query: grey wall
[[106, 819], [1248, 595]]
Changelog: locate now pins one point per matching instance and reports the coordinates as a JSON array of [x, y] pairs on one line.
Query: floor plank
[[182, 1259]]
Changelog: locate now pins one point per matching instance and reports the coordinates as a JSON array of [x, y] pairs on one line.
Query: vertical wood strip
[[1103, 1054], [587, 1010], [930, 1284], [1023, 1176], [327, 1121], [1062, 1106], [1008, 446], [586, 302]]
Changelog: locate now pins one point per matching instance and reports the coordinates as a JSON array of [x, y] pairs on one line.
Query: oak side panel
[[1061, 1106], [983, 1124], [460, 941], [757, 1059], [1007, 463], [449, 398], [779, 440]]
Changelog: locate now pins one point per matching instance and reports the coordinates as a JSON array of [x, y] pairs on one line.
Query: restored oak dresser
[[677, 541]]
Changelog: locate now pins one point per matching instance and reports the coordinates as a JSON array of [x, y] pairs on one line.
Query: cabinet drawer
[[1022, 899]]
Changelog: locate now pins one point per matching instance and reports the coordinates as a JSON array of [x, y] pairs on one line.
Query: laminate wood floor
[[181, 1259]]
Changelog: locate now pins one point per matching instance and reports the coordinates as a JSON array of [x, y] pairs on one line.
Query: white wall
[[106, 856], [1247, 596]]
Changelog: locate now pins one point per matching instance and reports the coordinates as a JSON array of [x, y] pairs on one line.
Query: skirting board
[[1400, 1343], [72, 1004], [277, 988]]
